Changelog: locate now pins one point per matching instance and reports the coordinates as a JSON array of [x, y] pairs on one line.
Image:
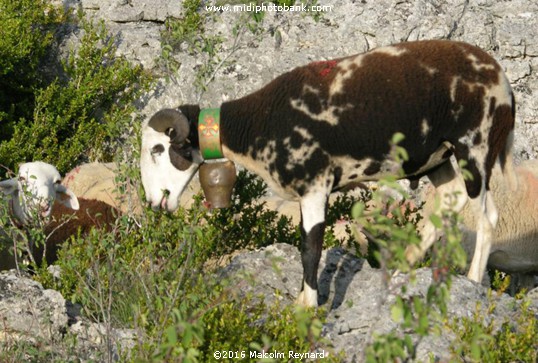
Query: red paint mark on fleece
[[71, 176], [326, 66]]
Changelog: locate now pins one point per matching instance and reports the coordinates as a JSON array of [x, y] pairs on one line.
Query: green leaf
[[397, 312], [171, 335], [436, 220], [397, 138], [357, 210]]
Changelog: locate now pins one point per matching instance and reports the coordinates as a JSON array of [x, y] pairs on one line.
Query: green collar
[[209, 133]]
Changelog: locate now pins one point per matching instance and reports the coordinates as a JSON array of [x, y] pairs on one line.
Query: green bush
[[512, 340], [248, 223], [82, 115], [27, 34]]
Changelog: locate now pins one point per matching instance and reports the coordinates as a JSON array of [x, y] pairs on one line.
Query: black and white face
[[167, 160]]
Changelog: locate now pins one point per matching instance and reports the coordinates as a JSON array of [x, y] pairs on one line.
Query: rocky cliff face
[[246, 60], [358, 301]]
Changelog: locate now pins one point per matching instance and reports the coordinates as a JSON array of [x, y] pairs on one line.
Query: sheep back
[[98, 181]]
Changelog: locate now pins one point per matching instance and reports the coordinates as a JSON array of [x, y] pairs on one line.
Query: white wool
[[34, 190], [514, 246]]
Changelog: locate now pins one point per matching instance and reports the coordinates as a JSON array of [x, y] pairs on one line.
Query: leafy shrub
[[259, 328], [83, 115], [339, 211], [189, 31], [490, 341], [27, 34], [248, 223], [186, 29]]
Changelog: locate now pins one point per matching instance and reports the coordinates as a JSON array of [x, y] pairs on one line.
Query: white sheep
[[36, 195], [514, 247], [35, 188]]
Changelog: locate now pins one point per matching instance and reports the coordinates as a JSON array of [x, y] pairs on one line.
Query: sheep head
[[34, 191], [168, 159]]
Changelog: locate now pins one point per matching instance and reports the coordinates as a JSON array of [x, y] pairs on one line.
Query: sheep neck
[[209, 133]]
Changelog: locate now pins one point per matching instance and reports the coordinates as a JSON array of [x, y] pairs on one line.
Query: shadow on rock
[[341, 268]]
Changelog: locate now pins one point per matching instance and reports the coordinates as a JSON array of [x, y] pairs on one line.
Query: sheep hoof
[[307, 298]]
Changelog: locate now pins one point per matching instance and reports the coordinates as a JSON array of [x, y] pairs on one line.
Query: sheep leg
[[450, 194], [487, 220], [313, 209]]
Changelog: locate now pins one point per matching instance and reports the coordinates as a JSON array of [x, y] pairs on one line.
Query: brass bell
[[218, 180]]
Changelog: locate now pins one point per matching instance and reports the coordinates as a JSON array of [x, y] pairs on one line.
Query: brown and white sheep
[[323, 126], [36, 197]]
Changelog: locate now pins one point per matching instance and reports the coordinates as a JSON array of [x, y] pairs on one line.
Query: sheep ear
[[66, 197], [9, 186]]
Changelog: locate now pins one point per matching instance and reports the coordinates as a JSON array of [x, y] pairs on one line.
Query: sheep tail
[[506, 156]]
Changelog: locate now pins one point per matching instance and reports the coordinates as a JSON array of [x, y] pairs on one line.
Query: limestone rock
[[354, 294], [246, 60], [29, 312]]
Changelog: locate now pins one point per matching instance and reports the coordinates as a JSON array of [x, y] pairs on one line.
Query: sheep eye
[[57, 182], [157, 149]]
